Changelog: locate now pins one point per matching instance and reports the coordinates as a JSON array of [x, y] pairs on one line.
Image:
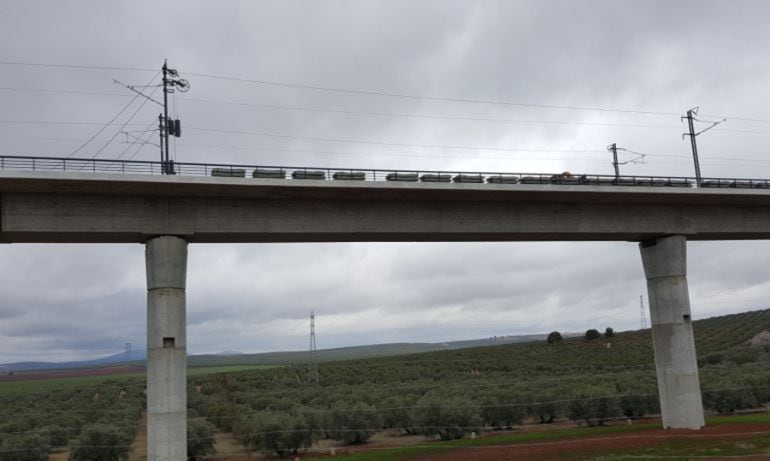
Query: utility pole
[[691, 119], [616, 164], [167, 167], [614, 149], [162, 155], [691, 125], [171, 82], [312, 365]]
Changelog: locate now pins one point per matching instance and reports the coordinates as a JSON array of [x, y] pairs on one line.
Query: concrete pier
[[665, 268], [166, 259]]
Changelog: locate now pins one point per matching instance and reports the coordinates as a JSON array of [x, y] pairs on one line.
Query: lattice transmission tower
[[641, 309], [312, 363]]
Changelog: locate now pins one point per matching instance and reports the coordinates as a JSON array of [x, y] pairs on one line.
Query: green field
[[39, 385], [493, 391], [681, 449]]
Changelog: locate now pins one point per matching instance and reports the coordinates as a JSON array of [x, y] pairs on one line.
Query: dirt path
[[61, 454], [593, 446], [229, 448], [139, 447]]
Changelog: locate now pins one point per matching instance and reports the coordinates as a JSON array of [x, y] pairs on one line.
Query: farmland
[[436, 399]]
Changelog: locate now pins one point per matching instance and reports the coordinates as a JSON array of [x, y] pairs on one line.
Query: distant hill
[[136, 355], [139, 356]]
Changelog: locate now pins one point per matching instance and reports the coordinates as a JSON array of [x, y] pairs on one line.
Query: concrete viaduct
[[167, 212]]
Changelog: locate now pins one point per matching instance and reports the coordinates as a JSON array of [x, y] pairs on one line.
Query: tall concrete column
[[166, 259], [665, 267]]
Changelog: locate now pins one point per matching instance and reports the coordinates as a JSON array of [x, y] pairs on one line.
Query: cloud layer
[[65, 302]]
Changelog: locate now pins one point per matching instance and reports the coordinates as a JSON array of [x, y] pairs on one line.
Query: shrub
[[100, 442], [499, 411], [554, 337], [592, 334], [448, 418], [280, 433], [594, 411], [57, 436], [200, 438], [609, 332], [24, 447], [354, 424]]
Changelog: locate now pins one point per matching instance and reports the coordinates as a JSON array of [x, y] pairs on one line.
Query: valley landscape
[[570, 399]]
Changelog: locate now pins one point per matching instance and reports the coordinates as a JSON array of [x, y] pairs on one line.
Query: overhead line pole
[[692, 134], [171, 82], [690, 124], [614, 149], [160, 132], [164, 133]]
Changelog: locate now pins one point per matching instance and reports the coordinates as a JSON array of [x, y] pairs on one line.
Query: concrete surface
[[665, 268], [166, 259], [88, 207]]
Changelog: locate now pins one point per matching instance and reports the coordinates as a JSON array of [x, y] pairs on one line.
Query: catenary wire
[[119, 130], [365, 92], [109, 123]]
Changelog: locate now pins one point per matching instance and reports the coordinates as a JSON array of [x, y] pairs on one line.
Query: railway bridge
[[57, 200]]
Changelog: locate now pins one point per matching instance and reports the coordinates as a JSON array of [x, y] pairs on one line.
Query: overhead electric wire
[[74, 66], [370, 92], [458, 118], [78, 92], [138, 139], [378, 143], [42, 122], [422, 97], [427, 116], [119, 130], [141, 146], [110, 122]]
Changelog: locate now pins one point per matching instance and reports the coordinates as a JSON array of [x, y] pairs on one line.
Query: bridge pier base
[[665, 268], [166, 259]]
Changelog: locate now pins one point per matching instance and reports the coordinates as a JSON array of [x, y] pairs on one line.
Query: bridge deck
[[97, 207]]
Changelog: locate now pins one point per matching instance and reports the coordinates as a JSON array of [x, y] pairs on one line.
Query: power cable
[[31, 122], [427, 116], [119, 130], [448, 117], [365, 92], [379, 143], [419, 97], [74, 66], [108, 123], [138, 139], [78, 92]]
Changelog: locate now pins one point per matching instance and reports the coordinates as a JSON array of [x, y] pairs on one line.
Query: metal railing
[[52, 164]]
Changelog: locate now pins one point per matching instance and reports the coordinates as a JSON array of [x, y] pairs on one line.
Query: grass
[[506, 439], [688, 448]]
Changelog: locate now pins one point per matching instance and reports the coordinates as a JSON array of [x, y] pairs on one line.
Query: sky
[[499, 86]]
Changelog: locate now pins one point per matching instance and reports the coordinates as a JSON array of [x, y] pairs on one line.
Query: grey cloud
[[78, 301]]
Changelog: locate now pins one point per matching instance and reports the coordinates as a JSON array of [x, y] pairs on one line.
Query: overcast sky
[[647, 61]]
